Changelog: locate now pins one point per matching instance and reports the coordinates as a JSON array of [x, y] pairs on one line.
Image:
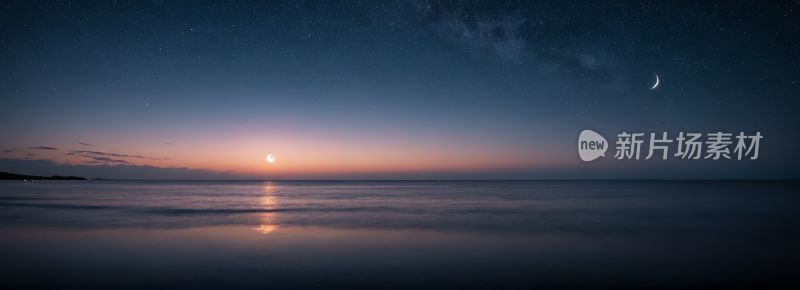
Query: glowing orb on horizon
[[270, 158]]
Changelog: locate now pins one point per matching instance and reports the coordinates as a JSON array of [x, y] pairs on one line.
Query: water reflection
[[269, 202], [399, 235]]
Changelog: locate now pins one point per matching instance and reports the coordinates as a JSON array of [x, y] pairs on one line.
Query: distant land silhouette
[[12, 176]]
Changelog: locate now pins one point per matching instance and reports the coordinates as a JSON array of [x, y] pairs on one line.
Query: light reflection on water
[[268, 202], [402, 235]]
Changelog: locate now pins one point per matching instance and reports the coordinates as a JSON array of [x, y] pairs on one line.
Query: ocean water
[[400, 234]]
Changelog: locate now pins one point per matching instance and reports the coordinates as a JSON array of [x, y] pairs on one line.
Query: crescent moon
[[654, 86], [270, 158]]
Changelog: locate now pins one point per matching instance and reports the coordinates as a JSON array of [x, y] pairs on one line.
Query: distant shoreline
[[13, 176]]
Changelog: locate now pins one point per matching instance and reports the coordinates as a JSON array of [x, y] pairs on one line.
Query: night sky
[[391, 89]]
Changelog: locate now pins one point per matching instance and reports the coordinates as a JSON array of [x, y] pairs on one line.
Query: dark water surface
[[400, 234]]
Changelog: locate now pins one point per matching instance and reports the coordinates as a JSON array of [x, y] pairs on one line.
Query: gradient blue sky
[[390, 90]]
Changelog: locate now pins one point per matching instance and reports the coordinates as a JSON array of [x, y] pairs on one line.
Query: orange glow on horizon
[[308, 152]]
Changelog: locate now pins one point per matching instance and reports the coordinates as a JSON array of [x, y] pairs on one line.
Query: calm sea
[[400, 234]]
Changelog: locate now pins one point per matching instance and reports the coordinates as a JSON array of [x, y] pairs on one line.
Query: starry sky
[[391, 89]]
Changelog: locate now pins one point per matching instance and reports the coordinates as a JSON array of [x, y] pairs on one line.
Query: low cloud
[[102, 169], [104, 159], [168, 143], [86, 144], [7, 151], [43, 148], [103, 153], [112, 154], [31, 154]]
